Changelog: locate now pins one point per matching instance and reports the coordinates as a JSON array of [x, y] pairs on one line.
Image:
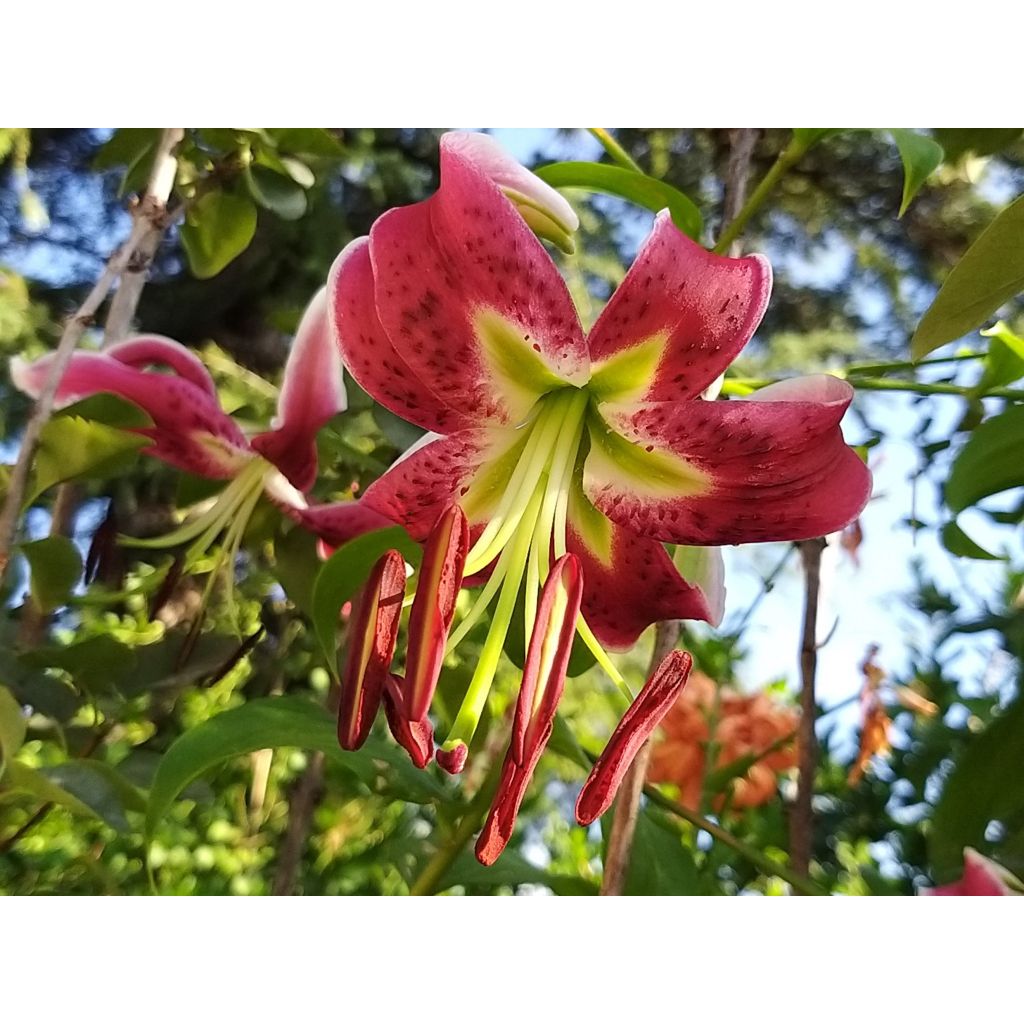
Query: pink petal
[[696, 310], [373, 631], [630, 580], [534, 718], [643, 717], [312, 391], [189, 429], [155, 350], [337, 522], [433, 608], [759, 470], [368, 352], [981, 877], [471, 300]]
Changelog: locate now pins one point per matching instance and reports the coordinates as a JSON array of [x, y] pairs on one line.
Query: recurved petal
[[711, 473], [334, 523], [373, 631], [189, 430], [312, 391], [630, 581], [368, 352], [679, 318], [471, 300], [645, 713]]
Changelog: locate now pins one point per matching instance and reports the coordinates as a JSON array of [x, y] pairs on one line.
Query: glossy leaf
[[278, 722], [512, 870], [659, 864], [306, 141], [986, 785], [72, 448], [56, 567], [296, 565], [1004, 362], [101, 788], [638, 188], [990, 273], [19, 778], [990, 461], [956, 542], [344, 573], [920, 156], [275, 192], [219, 228], [12, 727], [955, 142]]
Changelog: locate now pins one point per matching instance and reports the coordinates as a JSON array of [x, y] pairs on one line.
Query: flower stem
[[786, 159], [614, 150]]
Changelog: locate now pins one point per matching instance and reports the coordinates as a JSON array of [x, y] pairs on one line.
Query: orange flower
[[741, 727]]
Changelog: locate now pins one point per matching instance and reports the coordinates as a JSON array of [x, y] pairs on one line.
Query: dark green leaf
[[126, 147], [990, 273], [296, 564], [637, 188], [920, 156], [278, 722], [986, 785], [56, 568], [275, 192], [659, 864], [71, 448], [956, 542], [306, 141], [990, 462], [955, 142], [12, 727], [19, 778], [812, 136], [97, 665], [220, 227], [344, 573], [512, 870], [101, 788]]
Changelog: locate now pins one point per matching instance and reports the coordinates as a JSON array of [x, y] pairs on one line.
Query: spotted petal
[[311, 393], [771, 468], [189, 429], [679, 318], [471, 300]]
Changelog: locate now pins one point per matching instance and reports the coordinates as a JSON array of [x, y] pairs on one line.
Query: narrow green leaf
[[637, 188], [273, 722], [512, 870], [219, 227], [1004, 362], [56, 567], [920, 156], [958, 543], [72, 448], [955, 142], [275, 192], [344, 573], [986, 785], [12, 727], [22, 779], [989, 462], [990, 273], [101, 788], [812, 136], [97, 664]]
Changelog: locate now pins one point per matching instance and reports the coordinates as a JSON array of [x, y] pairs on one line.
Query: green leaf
[[219, 227], [990, 273], [275, 192], [296, 564], [306, 141], [955, 142], [101, 788], [125, 147], [1004, 362], [812, 136], [986, 785], [990, 462], [512, 870], [12, 727], [659, 864], [619, 181], [956, 542], [278, 722], [920, 156], [344, 573], [56, 568], [97, 664], [71, 448], [22, 779]]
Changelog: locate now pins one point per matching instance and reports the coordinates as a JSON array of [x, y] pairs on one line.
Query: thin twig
[[627, 803], [153, 208], [301, 805], [741, 150], [801, 823]]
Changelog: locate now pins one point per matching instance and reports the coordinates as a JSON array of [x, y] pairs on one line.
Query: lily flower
[[190, 431], [553, 442]]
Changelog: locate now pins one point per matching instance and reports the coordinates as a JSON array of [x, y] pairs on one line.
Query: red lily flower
[[981, 877], [191, 432], [551, 442]]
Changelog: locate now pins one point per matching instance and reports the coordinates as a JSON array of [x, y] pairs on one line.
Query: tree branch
[[801, 822], [301, 805], [123, 262]]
